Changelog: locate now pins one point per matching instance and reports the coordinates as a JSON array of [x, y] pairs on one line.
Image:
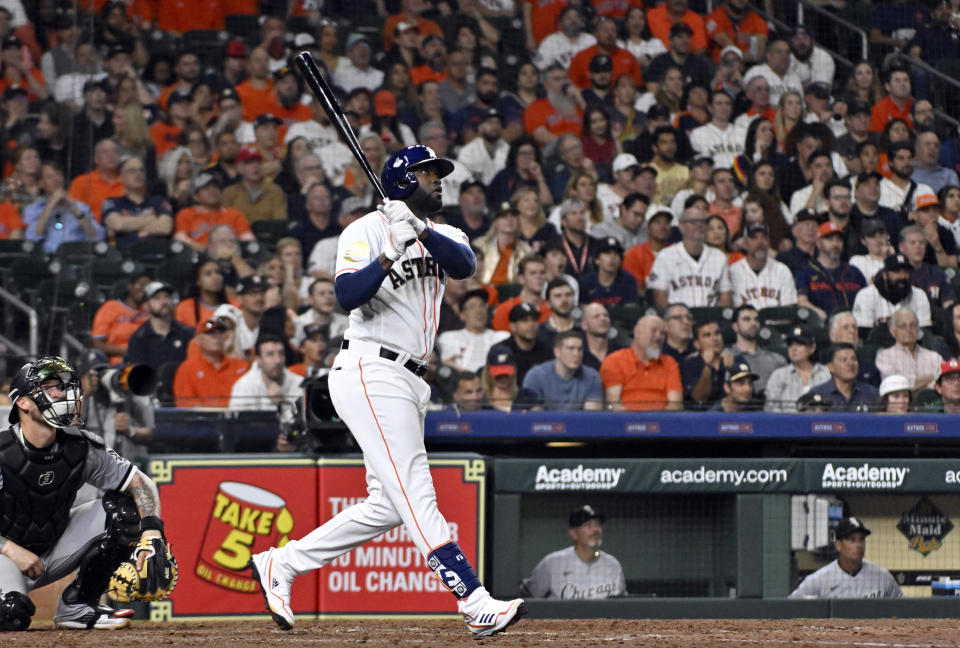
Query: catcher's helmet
[[29, 380], [398, 179]]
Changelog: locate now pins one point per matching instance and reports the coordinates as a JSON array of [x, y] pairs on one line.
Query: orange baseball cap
[[927, 200], [828, 228]]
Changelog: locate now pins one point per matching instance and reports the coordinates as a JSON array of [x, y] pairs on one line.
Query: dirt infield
[[803, 633]]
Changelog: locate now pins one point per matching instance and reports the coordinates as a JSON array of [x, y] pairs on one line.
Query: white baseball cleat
[[486, 616], [85, 617], [275, 587]]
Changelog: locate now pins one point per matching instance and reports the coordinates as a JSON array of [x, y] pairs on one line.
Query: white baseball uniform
[[893, 196], [382, 401], [722, 145], [870, 308], [774, 285], [694, 282], [872, 581]]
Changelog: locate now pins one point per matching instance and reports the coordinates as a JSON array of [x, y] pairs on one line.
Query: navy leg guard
[[453, 569]]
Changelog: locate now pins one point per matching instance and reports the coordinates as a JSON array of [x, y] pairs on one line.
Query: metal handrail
[[781, 25], [940, 75], [13, 346], [32, 319], [865, 42]]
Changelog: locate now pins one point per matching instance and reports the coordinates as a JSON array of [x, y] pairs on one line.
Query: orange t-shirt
[[197, 222], [424, 72], [92, 188], [185, 15], [36, 73], [255, 102], [638, 261], [199, 383], [500, 273], [164, 136], [885, 110], [501, 314], [731, 216], [114, 322], [299, 113], [543, 17], [718, 22], [542, 113], [623, 63], [424, 28], [645, 385], [614, 8], [659, 22], [10, 220]]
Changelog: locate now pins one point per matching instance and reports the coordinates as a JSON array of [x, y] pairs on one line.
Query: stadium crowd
[[671, 208]]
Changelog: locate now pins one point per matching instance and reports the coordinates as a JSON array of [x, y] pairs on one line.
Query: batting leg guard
[[453, 569], [106, 553], [16, 609]]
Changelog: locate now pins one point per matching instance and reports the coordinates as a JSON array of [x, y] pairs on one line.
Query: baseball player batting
[[391, 270]]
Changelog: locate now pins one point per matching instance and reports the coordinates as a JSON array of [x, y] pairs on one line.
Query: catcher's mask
[[54, 386]]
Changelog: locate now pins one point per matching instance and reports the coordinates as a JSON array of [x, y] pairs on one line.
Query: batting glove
[[401, 235], [397, 210]]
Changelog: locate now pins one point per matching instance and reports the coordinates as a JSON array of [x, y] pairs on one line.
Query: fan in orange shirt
[[623, 61], [116, 320], [556, 114], [11, 225], [313, 347], [101, 183], [410, 11], [205, 379], [639, 259], [205, 294], [14, 72], [662, 17], [287, 90], [256, 93], [193, 224]]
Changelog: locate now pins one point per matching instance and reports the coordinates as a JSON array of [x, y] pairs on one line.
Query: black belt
[[415, 368]]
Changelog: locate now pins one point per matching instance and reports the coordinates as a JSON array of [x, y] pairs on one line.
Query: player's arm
[[456, 258], [26, 561], [145, 496], [353, 289]]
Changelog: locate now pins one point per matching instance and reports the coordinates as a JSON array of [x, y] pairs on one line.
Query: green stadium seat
[[178, 272], [712, 314], [268, 232], [151, 252], [781, 318]]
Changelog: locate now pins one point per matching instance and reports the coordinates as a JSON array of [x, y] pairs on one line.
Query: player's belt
[[413, 367]]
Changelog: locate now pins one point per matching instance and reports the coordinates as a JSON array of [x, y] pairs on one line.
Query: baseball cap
[[895, 383], [385, 104], [658, 111], [94, 84], [303, 39], [11, 41], [927, 200], [731, 49], [284, 71], [811, 399], [248, 153], [250, 284], [467, 185], [858, 107], [92, 360], [609, 244], [624, 161], [601, 63], [848, 526], [13, 92], [115, 50], [355, 38], [680, 28], [801, 334], [656, 209], [868, 175], [228, 93], [829, 229], [701, 159], [470, 294], [505, 208], [569, 205], [403, 26], [312, 329], [584, 514], [212, 324], [352, 205], [646, 168], [896, 262], [740, 370], [237, 48], [948, 366], [151, 289], [228, 313], [805, 215], [819, 90], [523, 310], [870, 226], [757, 228], [491, 113], [500, 361], [203, 180], [267, 118], [177, 97]]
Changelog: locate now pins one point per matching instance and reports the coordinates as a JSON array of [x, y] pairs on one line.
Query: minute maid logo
[[863, 476], [244, 520], [578, 478], [925, 526]]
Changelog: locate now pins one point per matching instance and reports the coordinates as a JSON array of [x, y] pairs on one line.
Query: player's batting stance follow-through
[[391, 270]]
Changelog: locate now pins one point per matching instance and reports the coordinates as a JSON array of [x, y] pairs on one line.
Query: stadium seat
[[625, 316], [298, 24], [508, 291], [26, 275], [880, 336], [208, 44], [782, 318], [106, 272], [151, 252], [178, 272], [245, 26], [711, 314], [79, 253], [268, 232]]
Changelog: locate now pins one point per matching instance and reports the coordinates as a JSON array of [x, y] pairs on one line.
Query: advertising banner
[[219, 511]]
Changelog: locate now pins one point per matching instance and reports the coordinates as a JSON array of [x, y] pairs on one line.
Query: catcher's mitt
[[153, 582]]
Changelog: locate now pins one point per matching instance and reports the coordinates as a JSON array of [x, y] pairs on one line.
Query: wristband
[[152, 523]]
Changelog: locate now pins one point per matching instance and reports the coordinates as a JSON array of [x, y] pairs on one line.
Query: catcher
[[44, 459]]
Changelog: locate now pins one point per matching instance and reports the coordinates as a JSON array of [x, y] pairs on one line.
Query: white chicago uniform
[[383, 402], [872, 581], [694, 282], [774, 285]]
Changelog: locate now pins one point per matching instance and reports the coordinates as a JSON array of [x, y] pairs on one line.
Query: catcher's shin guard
[[107, 551], [16, 610]]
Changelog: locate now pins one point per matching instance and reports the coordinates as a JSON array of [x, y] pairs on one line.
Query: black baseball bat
[[318, 86]]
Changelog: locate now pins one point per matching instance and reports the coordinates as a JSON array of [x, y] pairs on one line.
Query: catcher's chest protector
[[38, 488]]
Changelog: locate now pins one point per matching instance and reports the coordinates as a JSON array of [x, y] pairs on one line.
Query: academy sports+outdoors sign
[[727, 475]]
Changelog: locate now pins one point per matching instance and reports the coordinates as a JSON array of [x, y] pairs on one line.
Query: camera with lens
[[312, 425], [129, 380]]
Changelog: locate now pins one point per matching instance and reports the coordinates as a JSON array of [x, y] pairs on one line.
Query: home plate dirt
[[581, 633]]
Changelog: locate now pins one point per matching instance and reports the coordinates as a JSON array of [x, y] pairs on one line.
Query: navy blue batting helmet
[[398, 179]]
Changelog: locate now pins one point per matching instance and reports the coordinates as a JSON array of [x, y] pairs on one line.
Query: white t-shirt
[[649, 48], [335, 157], [404, 313], [557, 48], [820, 67], [867, 265], [468, 350], [694, 282], [774, 285], [778, 85], [871, 309], [799, 200], [474, 156], [722, 145], [250, 391], [350, 77]]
